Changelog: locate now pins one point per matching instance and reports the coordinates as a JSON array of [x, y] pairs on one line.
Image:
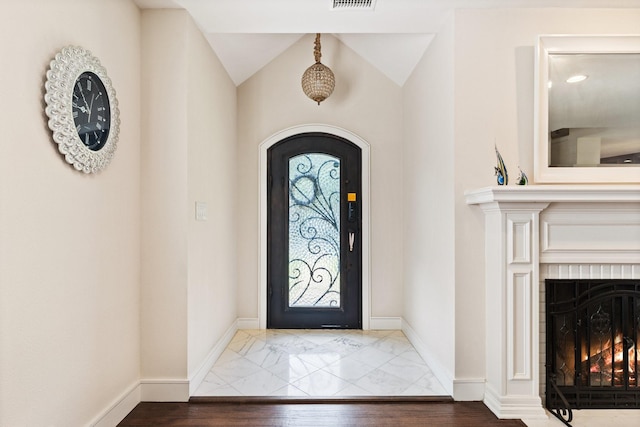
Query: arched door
[[314, 241]]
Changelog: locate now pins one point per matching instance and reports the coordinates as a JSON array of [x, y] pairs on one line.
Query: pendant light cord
[[316, 51]]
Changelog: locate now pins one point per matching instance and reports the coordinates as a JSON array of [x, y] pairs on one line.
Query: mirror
[[588, 112]]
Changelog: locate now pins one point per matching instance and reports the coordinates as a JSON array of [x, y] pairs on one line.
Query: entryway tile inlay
[[320, 363]]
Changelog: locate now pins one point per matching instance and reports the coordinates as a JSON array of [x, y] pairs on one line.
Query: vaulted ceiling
[[392, 36]]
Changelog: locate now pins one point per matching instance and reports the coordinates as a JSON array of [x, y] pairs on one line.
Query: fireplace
[[592, 327], [538, 232]]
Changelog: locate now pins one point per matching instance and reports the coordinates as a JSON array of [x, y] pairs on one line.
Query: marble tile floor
[[320, 363], [593, 418]]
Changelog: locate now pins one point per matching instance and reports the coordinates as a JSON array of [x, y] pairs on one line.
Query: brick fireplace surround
[[533, 233]]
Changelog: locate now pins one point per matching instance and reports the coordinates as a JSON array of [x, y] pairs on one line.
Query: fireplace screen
[[593, 327]]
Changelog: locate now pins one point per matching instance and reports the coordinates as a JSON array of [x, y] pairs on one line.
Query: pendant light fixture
[[318, 80]]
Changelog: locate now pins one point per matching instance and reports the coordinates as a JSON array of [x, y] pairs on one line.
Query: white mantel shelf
[[554, 193]]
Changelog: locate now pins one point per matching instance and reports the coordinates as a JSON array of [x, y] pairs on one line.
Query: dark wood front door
[[314, 256]]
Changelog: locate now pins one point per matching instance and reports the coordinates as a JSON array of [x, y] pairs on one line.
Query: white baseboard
[[248, 323], [385, 323], [171, 390], [442, 374], [468, 389], [142, 391], [160, 390], [199, 375], [119, 408]]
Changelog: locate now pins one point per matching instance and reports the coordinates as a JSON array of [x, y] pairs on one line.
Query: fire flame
[[602, 356]]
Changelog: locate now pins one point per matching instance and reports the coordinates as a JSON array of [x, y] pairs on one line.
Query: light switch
[[201, 211]]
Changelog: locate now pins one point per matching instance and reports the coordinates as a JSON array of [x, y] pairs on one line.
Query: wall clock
[[82, 109]]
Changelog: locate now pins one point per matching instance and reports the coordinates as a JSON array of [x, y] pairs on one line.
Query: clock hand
[[79, 107], [83, 97], [91, 107]]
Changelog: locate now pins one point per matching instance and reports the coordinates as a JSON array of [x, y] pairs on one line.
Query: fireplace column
[[512, 297]]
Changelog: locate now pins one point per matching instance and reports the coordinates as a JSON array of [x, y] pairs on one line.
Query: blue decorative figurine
[[501, 170]]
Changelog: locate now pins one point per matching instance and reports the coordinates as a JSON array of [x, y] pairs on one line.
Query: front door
[[314, 257]]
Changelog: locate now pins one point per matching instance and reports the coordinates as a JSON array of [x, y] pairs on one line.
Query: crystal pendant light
[[318, 81]]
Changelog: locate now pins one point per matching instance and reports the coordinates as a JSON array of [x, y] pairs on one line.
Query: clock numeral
[[78, 128], [75, 114], [89, 85]]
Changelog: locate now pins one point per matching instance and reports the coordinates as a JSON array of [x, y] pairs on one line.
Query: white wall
[[364, 102], [494, 73], [188, 266], [428, 206], [69, 242]]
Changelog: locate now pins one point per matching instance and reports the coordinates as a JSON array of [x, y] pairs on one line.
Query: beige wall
[[471, 90], [69, 242], [84, 317], [428, 207], [365, 103], [494, 72], [211, 109], [188, 266], [164, 195]]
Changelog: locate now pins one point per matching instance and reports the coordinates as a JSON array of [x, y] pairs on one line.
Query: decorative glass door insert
[[314, 231]]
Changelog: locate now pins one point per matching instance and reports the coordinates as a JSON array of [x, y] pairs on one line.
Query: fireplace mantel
[[554, 193], [524, 227]]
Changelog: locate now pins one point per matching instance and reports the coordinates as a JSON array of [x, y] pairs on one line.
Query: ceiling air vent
[[353, 4]]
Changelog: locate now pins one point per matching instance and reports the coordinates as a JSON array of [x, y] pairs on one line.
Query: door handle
[[352, 212], [352, 240]]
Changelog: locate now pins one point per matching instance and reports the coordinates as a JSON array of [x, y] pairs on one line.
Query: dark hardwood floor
[[325, 414]]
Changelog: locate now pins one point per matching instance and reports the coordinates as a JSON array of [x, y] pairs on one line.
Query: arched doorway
[[363, 206]]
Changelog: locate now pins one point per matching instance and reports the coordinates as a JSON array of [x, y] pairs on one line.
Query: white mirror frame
[[554, 44]]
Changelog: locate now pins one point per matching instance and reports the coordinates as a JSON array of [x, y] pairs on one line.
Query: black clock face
[[91, 111]]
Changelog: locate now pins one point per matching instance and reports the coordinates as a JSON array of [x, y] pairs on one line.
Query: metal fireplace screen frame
[[593, 327]]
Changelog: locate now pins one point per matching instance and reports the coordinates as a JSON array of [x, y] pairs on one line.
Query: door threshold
[[319, 400]]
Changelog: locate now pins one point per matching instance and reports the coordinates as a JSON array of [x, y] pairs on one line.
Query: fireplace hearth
[[592, 358]]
